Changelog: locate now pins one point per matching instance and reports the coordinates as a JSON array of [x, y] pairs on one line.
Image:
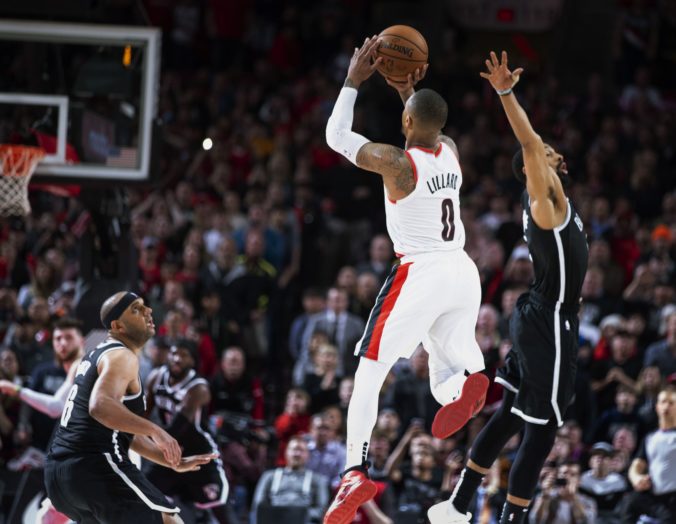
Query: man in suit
[[343, 329]]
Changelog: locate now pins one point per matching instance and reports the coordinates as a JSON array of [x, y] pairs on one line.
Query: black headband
[[118, 309]]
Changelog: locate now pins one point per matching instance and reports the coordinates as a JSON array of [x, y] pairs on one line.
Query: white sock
[[362, 412], [446, 386]]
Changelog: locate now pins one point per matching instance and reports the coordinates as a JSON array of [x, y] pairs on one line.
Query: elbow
[[54, 411], [331, 135], [96, 408]]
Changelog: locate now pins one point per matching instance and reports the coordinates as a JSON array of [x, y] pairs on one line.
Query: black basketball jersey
[[559, 256], [168, 399], [78, 432]]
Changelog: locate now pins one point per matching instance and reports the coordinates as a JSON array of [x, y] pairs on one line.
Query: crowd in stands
[[268, 251]]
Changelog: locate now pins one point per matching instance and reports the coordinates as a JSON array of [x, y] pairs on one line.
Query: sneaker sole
[[344, 513], [452, 417]]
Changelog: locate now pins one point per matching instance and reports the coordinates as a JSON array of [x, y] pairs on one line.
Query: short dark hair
[[190, 347], [429, 107], [68, 323], [314, 292], [518, 165]]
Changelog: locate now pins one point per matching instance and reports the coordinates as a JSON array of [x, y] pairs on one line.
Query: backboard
[[86, 93]]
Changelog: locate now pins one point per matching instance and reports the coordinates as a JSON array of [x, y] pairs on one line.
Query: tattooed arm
[[392, 164]]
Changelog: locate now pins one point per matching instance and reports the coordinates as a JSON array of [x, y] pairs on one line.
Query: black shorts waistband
[[541, 300]]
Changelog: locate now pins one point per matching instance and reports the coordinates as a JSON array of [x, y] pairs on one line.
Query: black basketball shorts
[[540, 368], [98, 488]]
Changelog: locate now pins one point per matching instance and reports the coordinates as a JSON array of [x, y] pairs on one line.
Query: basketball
[[403, 50]]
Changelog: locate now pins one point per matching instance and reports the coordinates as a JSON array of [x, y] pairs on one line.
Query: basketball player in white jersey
[[433, 295]]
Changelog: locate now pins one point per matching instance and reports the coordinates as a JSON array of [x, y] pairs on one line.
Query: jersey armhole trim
[[567, 219]]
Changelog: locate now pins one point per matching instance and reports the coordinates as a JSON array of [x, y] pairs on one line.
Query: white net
[[18, 164]]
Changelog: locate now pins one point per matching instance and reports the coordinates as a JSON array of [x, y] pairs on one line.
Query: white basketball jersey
[[428, 219]]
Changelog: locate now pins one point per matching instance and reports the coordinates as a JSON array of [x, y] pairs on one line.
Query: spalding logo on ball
[[403, 50]]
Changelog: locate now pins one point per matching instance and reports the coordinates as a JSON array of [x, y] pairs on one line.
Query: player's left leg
[[525, 472], [455, 356]]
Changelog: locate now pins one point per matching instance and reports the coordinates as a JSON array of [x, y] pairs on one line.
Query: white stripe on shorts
[[138, 490]]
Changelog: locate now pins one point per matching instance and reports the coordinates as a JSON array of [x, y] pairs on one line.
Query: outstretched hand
[[364, 62], [499, 75], [194, 462]]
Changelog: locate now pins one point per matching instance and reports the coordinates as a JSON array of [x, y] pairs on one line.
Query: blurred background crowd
[[267, 251]]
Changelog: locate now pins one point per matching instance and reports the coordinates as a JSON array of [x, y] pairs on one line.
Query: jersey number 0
[[448, 220]]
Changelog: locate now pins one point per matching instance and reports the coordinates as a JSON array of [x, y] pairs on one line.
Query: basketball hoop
[[17, 164]]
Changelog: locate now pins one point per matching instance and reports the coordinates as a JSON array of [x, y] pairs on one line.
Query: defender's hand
[[194, 462], [364, 62], [411, 80], [500, 77]]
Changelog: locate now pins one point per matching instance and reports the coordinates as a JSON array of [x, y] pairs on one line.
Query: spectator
[[291, 486], [155, 354], [653, 471], [253, 291], [560, 501], [313, 302], [327, 455], [215, 322], [380, 258], [603, 485], [416, 486], [365, 295], [294, 421], [233, 391], [322, 384], [663, 353], [44, 281], [622, 367], [343, 329], [9, 408], [623, 414], [412, 396], [649, 386], [48, 377]]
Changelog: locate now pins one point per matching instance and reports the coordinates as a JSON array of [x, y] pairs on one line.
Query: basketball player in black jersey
[[88, 474], [181, 397], [539, 374]]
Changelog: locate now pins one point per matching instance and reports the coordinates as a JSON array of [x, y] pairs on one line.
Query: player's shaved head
[[428, 109]]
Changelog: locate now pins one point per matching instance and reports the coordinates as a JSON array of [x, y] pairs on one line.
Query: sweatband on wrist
[[504, 92], [339, 134], [118, 309]]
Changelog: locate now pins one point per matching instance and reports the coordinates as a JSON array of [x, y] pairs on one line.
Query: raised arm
[[548, 201], [388, 161]]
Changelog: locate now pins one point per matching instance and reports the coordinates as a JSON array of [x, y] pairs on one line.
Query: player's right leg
[[502, 426], [355, 487]]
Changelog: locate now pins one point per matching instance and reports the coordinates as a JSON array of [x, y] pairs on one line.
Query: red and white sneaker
[[452, 417], [354, 490]]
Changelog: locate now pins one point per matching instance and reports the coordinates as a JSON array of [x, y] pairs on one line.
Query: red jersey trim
[[415, 170], [435, 152]]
